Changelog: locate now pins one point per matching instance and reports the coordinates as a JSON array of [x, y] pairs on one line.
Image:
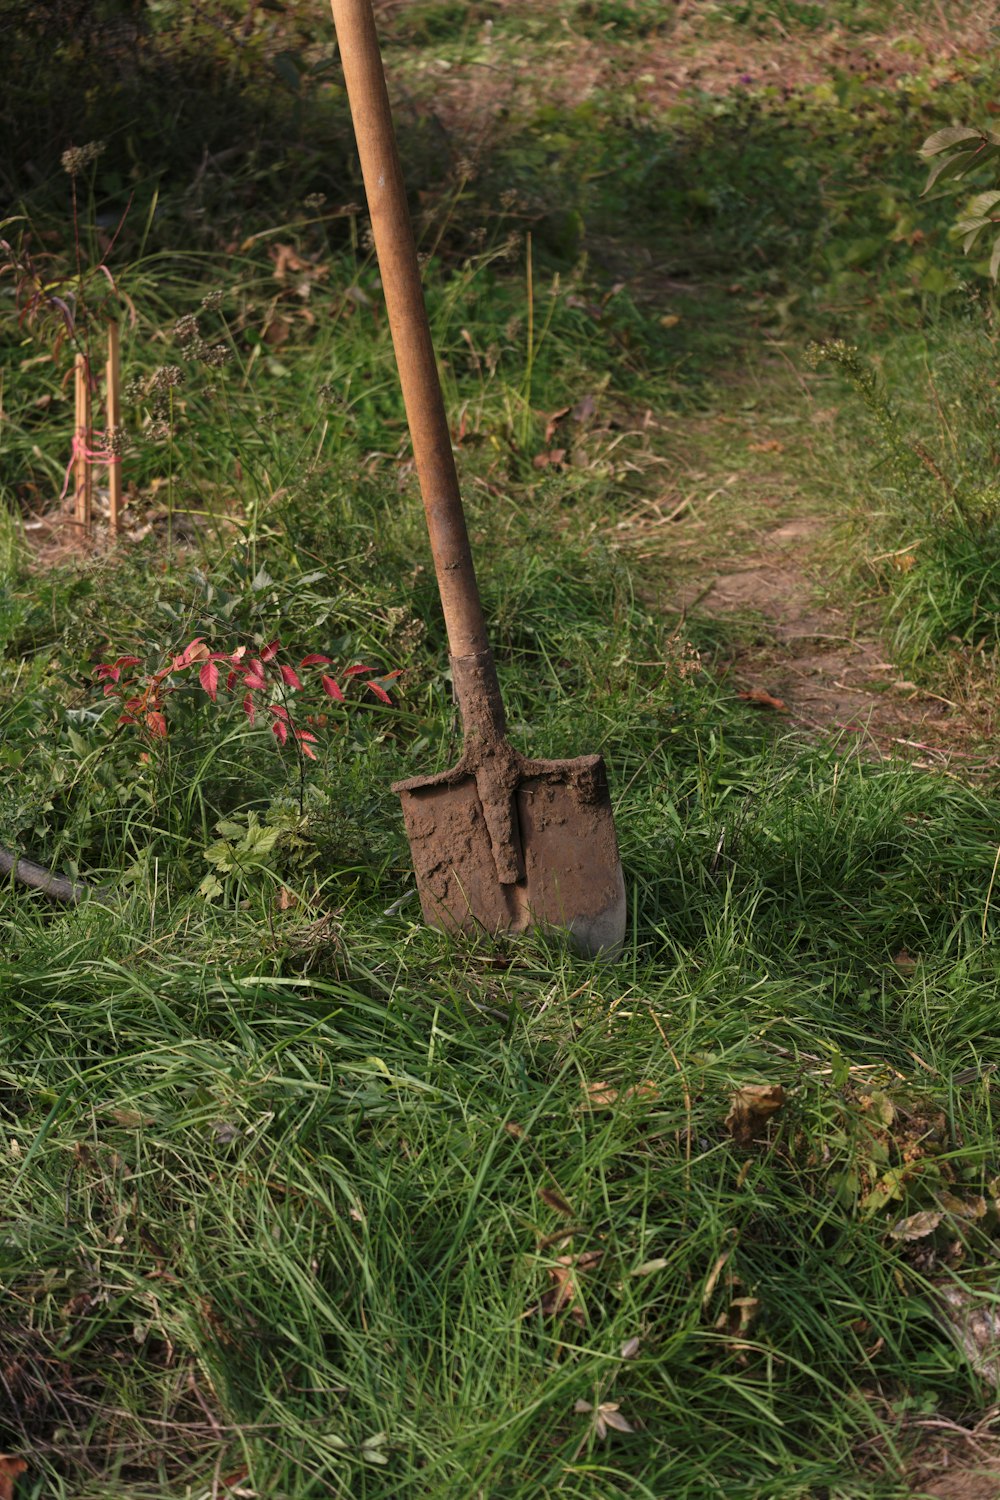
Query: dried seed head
[[165, 377], [212, 301], [116, 441], [186, 330], [135, 391], [314, 200], [214, 355], [511, 247], [78, 158]]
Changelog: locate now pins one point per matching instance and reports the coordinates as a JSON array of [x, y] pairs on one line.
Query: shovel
[[500, 843]]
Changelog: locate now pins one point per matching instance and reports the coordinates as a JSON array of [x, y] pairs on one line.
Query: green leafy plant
[[956, 151]]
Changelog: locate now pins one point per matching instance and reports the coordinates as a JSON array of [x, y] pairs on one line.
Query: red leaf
[[289, 676], [238, 655], [304, 734], [280, 731], [315, 660], [195, 650], [278, 711], [379, 692], [255, 676], [156, 724], [128, 661], [209, 679], [271, 651], [765, 700], [356, 671], [232, 680], [331, 688], [109, 688], [249, 707], [107, 673], [308, 750]]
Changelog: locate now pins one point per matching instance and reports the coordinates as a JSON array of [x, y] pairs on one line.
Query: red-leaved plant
[[143, 697]]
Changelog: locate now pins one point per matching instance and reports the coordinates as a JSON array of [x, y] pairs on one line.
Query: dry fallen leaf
[[553, 457], [769, 445], [10, 1470], [749, 1107], [916, 1226], [562, 1296], [736, 1323], [764, 700], [552, 422], [605, 1095], [514, 1129], [606, 1415], [130, 1118]]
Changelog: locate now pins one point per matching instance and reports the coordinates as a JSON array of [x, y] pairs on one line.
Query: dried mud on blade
[[500, 843], [572, 878]]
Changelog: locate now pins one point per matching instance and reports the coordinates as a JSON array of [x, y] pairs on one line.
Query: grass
[[301, 1198]]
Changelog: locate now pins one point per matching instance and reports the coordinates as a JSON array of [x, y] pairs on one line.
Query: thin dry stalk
[[113, 425], [82, 486]]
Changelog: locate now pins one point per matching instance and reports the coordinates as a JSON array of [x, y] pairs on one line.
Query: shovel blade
[[573, 880]]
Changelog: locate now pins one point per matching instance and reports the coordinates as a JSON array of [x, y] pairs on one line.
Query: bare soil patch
[[699, 53], [825, 661]]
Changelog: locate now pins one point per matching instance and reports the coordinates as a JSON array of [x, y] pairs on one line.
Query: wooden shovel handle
[[418, 374]]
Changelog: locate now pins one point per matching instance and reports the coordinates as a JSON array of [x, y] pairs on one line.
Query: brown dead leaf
[[749, 1107], [555, 1200], [584, 409], [514, 1129], [769, 445], [564, 1276], [131, 1118], [917, 1226], [287, 899], [765, 700], [277, 332], [736, 1323], [605, 1095], [904, 962], [552, 458], [287, 260], [962, 1208], [606, 1415], [10, 1471], [552, 422]]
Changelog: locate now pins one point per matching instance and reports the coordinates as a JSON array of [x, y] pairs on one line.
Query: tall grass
[[301, 1198]]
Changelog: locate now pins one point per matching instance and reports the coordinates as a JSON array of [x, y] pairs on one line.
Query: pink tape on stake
[[82, 451]]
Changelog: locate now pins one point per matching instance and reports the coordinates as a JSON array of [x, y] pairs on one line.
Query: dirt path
[[826, 662], [745, 534]]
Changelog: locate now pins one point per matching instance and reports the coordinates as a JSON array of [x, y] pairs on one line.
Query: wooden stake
[[82, 491], [114, 422]]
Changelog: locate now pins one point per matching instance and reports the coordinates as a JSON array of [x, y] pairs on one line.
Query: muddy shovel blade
[[572, 882]]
